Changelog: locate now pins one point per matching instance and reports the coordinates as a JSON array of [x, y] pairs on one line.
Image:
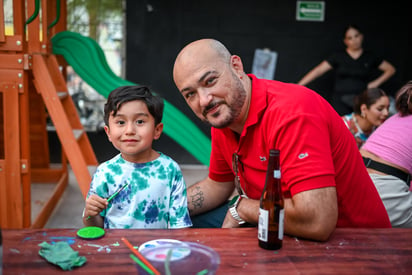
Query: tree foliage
[[84, 16]]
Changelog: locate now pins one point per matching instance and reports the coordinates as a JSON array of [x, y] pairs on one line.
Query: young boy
[[154, 191]]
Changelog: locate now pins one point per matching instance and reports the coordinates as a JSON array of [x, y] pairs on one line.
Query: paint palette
[[179, 251], [180, 257]]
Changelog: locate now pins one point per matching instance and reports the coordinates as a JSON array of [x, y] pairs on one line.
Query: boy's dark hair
[[124, 94]]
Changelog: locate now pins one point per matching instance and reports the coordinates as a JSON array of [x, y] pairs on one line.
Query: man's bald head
[[203, 48], [213, 83]]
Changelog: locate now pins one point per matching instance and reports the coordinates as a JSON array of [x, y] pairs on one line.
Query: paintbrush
[[117, 192], [114, 195]]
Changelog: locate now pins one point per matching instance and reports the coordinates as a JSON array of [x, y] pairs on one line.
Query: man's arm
[[310, 214], [207, 194]]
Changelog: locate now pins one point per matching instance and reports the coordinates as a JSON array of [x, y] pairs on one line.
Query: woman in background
[[354, 68], [370, 109], [388, 157]]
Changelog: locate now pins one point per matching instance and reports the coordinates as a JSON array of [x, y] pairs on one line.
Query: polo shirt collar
[[258, 102]]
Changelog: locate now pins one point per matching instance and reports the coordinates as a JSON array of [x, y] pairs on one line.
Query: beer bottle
[[271, 212]]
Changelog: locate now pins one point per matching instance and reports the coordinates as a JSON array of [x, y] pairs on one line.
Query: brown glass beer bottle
[[271, 212]]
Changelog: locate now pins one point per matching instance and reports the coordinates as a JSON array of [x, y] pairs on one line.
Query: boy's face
[[133, 130]]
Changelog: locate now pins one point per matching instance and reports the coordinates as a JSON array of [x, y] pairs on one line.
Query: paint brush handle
[[113, 195], [117, 192]]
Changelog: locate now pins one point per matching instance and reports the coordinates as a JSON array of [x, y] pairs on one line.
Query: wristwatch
[[232, 208]]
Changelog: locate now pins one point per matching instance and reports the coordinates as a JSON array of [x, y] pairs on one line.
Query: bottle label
[[276, 174], [263, 225], [281, 223]]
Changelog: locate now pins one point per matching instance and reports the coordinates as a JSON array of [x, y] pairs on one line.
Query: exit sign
[[310, 11]]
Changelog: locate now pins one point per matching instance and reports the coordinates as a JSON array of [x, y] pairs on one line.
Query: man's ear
[[158, 131], [237, 64]]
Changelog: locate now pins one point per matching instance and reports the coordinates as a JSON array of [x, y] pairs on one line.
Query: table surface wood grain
[[348, 251]]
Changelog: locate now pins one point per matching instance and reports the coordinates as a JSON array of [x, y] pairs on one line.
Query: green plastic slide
[[89, 62]]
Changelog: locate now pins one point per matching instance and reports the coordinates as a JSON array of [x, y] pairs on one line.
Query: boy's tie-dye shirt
[[154, 198]]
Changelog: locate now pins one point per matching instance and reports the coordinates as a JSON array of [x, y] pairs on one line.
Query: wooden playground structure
[[33, 88]]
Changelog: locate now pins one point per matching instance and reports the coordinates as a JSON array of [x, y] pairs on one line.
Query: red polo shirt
[[316, 150]]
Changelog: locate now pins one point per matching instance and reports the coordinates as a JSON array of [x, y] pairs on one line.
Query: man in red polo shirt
[[324, 180]]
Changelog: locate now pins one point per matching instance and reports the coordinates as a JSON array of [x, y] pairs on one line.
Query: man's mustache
[[211, 106]]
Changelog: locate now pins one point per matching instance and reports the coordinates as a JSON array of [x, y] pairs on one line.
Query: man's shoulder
[[290, 92], [279, 87]]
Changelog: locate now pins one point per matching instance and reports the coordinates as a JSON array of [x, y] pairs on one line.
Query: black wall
[[158, 29]]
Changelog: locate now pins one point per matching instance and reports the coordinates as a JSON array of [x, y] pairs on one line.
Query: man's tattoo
[[197, 199]]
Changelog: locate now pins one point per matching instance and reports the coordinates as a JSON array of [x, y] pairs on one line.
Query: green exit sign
[[310, 11]]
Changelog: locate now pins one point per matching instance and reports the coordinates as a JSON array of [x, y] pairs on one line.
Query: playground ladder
[[51, 85]]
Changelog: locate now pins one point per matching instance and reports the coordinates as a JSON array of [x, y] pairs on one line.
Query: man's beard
[[234, 104]]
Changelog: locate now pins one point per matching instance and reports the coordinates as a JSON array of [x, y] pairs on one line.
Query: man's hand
[[248, 210], [229, 221]]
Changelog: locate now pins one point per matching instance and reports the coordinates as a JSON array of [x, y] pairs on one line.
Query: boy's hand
[[94, 205]]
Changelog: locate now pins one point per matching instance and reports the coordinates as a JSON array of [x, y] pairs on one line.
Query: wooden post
[[11, 200]]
